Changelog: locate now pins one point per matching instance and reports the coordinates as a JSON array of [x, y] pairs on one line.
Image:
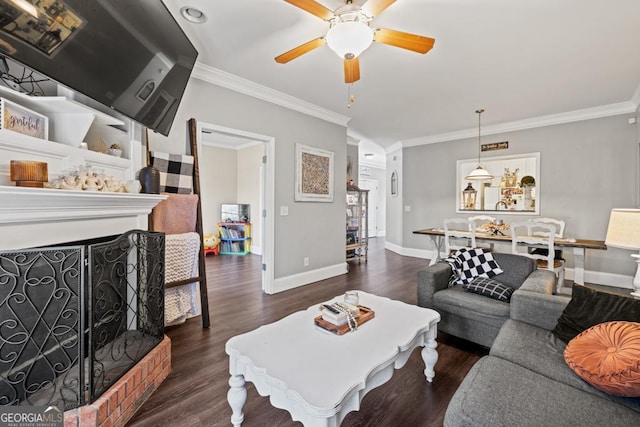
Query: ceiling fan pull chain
[[351, 97]]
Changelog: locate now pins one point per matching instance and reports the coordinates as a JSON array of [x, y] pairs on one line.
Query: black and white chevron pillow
[[489, 288], [474, 263]]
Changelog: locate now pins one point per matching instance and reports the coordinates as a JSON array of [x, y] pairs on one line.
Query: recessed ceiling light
[[194, 15]]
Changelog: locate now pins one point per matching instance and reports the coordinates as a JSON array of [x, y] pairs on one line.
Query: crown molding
[[352, 141], [395, 147], [535, 122], [230, 81]]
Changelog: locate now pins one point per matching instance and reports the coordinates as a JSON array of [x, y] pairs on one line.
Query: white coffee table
[[320, 377]]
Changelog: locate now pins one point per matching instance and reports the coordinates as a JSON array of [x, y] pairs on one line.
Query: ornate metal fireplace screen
[[63, 342]]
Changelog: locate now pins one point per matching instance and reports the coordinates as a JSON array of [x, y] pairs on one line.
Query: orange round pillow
[[607, 356]]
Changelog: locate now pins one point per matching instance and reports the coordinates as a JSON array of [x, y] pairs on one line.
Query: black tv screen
[[130, 55]]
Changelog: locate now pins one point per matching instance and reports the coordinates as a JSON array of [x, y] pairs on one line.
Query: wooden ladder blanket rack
[[192, 147]]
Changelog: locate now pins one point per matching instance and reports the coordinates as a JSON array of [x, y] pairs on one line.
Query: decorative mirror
[[515, 187]]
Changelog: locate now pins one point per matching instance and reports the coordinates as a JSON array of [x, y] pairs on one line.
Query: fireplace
[[74, 319]]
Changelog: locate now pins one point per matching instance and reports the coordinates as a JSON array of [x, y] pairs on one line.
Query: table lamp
[[624, 232]]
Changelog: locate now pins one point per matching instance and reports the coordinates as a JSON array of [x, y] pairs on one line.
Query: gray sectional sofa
[[524, 381]]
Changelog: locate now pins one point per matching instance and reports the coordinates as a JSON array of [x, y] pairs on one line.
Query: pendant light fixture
[[479, 173]]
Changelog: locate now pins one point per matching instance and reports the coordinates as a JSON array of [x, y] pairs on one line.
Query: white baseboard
[[256, 250], [295, 280], [602, 278], [412, 252], [597, 277]]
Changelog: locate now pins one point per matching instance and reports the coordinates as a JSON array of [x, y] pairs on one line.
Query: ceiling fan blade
[[407, 41], [351, 70], [374, 8], [313, 7], [300, 50]]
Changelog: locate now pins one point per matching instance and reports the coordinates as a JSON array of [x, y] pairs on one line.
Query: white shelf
[[23, 204], [58, 105], [69, 120]]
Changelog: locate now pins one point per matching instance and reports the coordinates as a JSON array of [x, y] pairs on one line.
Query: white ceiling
[[516, 59]]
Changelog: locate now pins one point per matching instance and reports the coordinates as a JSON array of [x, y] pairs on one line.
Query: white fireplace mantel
[[40, 216]]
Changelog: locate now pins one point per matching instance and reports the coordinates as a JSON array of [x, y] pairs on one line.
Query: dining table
[[577, 246]]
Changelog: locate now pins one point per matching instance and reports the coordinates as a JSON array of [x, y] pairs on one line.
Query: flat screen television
[[130, 55]]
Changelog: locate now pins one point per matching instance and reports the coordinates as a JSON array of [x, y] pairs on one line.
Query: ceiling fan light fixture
[[349, 39]]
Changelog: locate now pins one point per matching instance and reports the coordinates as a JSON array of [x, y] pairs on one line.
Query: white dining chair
[[458, 233], [479, 221], [540, 235], [558, 225]]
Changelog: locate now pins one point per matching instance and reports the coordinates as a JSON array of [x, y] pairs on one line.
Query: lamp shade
[[346, 38], [479, 174], [624, 229]]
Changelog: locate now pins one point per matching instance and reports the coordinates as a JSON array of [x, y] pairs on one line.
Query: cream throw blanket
[[181, 262]]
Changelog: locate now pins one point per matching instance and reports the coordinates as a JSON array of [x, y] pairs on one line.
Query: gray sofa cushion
[[540, 351], [456, 300], [488, 397], [516, 268]]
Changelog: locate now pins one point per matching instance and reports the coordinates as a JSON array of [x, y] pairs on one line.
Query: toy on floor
[[211, 242]]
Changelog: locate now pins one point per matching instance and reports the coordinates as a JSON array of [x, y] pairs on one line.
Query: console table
[[319, 377]]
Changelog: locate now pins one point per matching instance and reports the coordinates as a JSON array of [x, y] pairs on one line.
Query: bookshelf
[[357, 242], [235, 238]]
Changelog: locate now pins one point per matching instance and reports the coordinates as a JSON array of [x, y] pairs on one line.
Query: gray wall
[[394, 214], [314, 230], [587, 168]]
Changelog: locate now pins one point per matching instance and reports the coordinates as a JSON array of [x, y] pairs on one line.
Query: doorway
[[260, 175], [372, 219]]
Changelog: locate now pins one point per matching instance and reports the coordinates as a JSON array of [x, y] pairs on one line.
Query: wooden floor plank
[[195, 393]]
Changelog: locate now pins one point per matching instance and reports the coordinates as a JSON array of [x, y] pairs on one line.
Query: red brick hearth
[[118, 404]]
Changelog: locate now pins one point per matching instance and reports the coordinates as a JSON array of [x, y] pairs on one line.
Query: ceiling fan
[[350, 33]]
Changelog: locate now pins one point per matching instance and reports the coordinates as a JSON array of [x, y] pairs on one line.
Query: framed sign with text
[[17, 118]]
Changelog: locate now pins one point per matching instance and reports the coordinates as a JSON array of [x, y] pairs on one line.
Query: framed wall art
[[314, 174]]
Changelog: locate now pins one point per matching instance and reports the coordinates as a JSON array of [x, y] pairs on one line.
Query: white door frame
[[372, 186], [268, 178]]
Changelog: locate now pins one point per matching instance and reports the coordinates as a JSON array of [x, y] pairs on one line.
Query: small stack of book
[[336, 313]]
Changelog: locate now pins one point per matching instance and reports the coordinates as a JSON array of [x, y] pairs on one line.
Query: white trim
[[535, 122], [412, 252], [395, 147], [229, 81], [353, 141], [296, 280], [602, 278], [236, 147]]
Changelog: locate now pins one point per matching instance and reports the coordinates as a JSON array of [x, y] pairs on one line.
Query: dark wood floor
[[195, 393]]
